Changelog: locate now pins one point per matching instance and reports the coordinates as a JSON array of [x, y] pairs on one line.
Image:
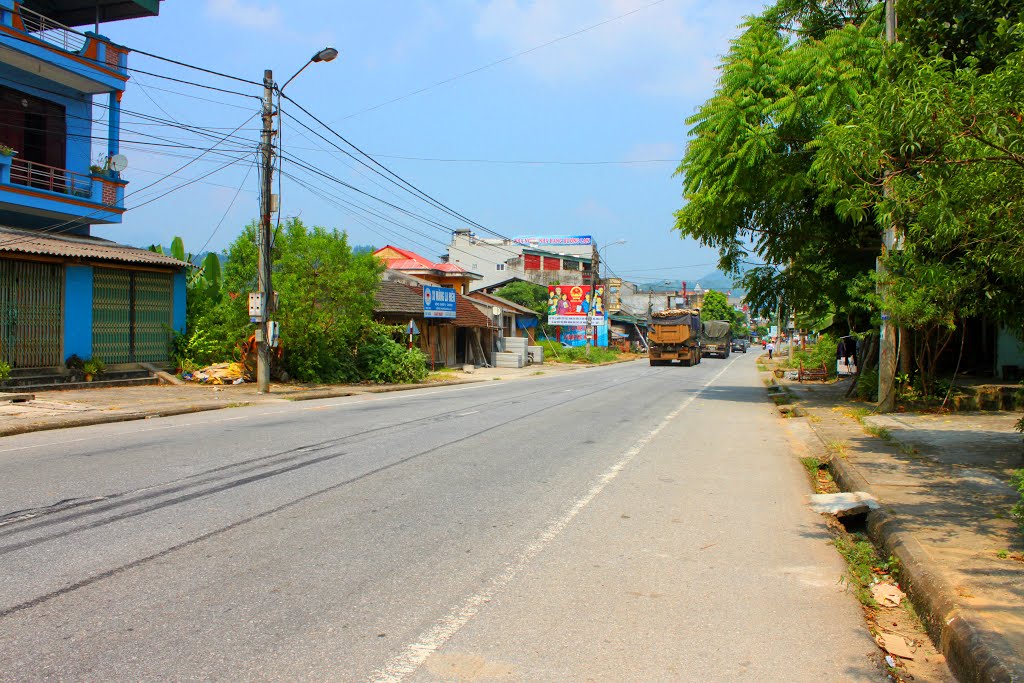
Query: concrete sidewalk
[[944, 485], [80, 407]]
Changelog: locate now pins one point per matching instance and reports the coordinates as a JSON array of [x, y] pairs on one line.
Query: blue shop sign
[[438, 302]]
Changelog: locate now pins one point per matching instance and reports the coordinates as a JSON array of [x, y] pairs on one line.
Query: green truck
[[716, 338]]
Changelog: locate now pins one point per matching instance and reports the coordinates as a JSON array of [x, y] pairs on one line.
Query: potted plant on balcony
[[93, 368], [7, 151]]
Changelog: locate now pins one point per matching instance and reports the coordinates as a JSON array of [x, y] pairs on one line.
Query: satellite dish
[[118, 162], [496, 310]]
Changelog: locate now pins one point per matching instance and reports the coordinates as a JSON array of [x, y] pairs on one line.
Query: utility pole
[[887, 337], [595, 273], [265, 236]]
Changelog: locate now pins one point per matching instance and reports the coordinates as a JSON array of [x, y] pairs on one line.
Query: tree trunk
[[906, 352]]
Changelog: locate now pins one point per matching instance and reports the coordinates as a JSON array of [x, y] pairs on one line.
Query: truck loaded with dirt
[[674, 335], [717, 338]]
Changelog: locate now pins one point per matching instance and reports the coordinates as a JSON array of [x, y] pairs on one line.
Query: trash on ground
[[840, 504], [220, 373], [887, 595], [895, 644]]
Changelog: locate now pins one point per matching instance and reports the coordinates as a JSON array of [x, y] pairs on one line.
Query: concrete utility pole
[[265, 236], [887, 337]]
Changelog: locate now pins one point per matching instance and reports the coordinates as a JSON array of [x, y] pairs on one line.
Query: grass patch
[[839, 448], [556, 353], [880, 432], [811, 464], [781, 399], [861, 561]]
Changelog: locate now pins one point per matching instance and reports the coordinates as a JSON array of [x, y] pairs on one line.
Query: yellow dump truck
[[674, 335]]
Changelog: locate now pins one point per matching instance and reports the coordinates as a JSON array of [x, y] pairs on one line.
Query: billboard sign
[[438, 302], [556, 241], [575, 305], [577, 336]]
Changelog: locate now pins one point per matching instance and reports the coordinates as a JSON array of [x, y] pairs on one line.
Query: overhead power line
[[502, 60], [522, 162]]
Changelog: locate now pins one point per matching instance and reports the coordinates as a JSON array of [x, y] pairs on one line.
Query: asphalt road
[[623, 523]]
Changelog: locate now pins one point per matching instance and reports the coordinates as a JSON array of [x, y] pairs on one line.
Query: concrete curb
[[310, 395], [957, 631], [89, 420]]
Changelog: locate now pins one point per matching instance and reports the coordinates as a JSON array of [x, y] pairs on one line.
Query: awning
[[42, 243]]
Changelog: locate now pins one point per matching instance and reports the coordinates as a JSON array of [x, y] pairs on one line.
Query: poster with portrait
[[576, 305]]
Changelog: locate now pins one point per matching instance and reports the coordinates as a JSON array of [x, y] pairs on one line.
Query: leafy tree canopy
[[747, 172], [528, 294], [716, 307]]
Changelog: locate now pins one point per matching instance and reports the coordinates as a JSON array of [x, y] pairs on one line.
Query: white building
[[544, 260]]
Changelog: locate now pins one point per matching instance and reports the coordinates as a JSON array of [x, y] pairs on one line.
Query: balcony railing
[[51, 32], [43, 177]]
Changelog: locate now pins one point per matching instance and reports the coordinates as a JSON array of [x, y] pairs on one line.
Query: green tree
[[326, 301], [716, 307], [748, 185], [528, 294], [939, 156]]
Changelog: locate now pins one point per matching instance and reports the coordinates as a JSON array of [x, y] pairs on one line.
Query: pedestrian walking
[[771, 349]]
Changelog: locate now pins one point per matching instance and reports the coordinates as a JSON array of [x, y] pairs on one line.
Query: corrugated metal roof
[[13, 240], [491, 299]]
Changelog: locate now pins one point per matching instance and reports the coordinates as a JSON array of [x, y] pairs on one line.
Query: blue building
[[64, 291]]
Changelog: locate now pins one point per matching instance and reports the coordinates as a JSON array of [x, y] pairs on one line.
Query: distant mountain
[[717, 281]]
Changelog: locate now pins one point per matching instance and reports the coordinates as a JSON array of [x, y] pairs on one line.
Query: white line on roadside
[[434, 638], [472, 412]]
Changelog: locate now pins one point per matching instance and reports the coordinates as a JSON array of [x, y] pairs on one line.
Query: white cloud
[[665, 49], [245, 14]]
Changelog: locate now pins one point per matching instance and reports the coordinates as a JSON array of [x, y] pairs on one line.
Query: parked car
[[739, 345]]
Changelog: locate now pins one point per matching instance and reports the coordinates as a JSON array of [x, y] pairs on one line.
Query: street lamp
[[325, 55], [260, 313], [610, 244]]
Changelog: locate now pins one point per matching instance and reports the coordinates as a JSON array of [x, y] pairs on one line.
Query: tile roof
[[405, 299], [13, 240], [409, 256], [412, 261], [395, 297]]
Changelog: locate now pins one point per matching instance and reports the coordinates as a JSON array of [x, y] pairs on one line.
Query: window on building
[[552, 263], [531, 262], [34, 127], [499, 266], [570, 265]]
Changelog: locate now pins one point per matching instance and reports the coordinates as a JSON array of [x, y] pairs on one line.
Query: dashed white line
[[434, 638]]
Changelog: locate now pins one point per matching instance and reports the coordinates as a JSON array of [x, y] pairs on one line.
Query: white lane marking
[[472, 412], [434, 638]]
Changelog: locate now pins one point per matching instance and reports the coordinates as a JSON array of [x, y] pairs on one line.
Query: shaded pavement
[[944, 485]]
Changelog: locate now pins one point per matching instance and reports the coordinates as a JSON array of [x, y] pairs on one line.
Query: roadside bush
[[823, 351], [383, 360], [867, 386], [326, 300], [1018, 509], [5, 371]]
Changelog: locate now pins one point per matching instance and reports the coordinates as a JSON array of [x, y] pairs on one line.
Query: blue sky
[[617, 93]]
